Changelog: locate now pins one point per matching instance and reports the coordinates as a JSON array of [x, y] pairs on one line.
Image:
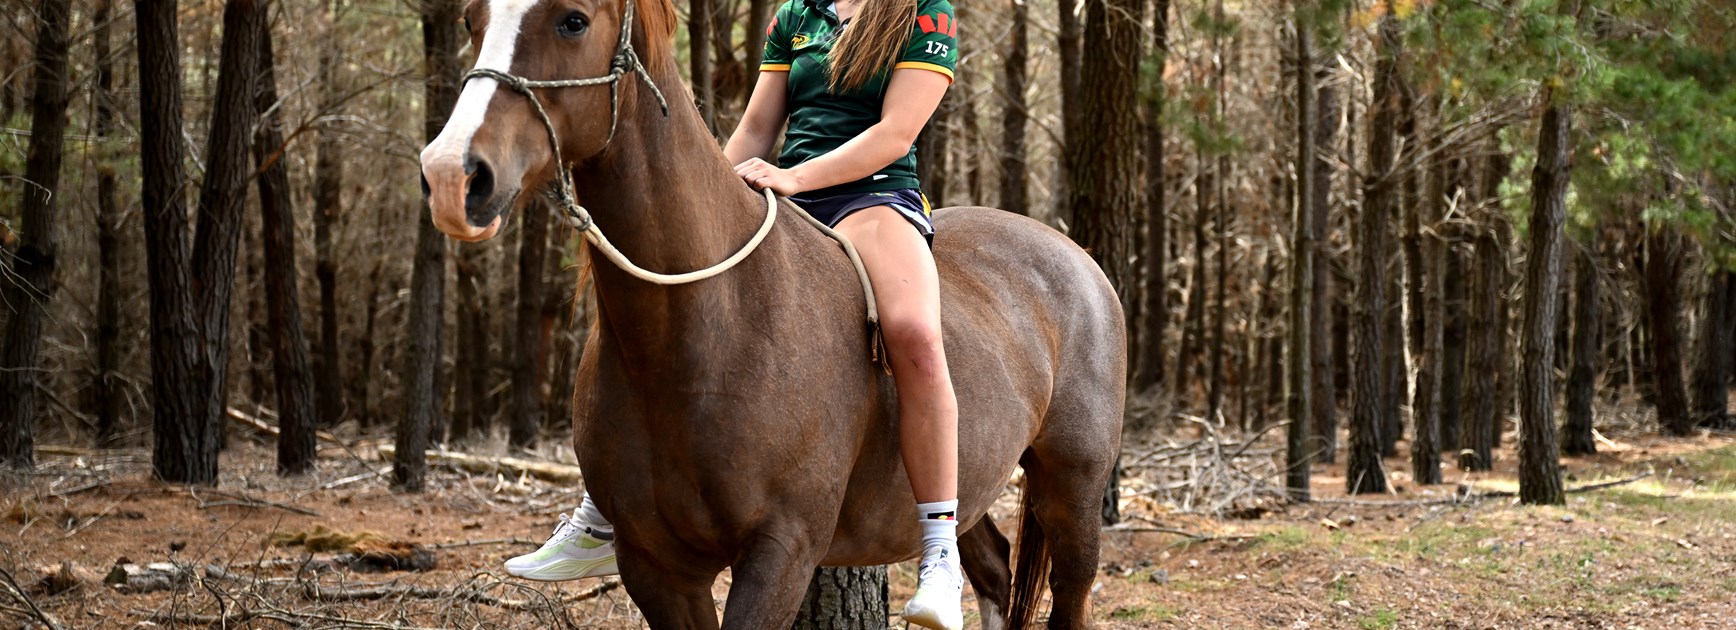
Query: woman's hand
[[762, 175]]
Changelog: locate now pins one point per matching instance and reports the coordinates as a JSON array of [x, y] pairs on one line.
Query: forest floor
[[1657, 552]]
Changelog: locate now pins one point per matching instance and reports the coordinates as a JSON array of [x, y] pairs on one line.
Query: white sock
[[939, 522], [589, 514]]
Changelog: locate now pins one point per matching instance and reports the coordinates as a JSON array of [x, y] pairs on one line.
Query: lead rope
[[626, 62]]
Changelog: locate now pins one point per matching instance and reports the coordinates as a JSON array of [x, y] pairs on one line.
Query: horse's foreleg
[[768, 584], [986, 555], [668, 599]]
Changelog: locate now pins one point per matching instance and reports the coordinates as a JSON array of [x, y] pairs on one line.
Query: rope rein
[[626, 61]]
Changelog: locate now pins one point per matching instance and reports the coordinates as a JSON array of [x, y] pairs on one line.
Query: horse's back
[[1024, 302]]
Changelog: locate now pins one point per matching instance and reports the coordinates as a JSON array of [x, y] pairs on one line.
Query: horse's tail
[[1031, 568]]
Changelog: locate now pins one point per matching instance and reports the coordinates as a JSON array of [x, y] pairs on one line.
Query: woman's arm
[[766, 109], [911, 98]]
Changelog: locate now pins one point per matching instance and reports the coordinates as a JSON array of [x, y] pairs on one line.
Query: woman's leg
[[907, 292]]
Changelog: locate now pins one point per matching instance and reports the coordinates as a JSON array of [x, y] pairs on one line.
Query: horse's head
[[495, 146]]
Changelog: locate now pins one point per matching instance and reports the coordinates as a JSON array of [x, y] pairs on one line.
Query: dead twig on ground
[[23, 597], [491, 541]]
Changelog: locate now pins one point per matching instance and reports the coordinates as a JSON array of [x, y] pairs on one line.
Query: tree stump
[[845, 598]]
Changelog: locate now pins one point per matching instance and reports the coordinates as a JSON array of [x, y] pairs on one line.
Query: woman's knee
[[913, 338]]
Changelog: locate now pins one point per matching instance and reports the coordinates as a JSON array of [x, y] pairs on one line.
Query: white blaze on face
[[504, 19]]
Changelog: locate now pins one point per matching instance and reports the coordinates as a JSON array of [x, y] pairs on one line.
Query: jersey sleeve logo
[[938, 23], [772, 26]]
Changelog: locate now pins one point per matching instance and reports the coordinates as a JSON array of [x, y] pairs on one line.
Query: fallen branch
[[240, 417], [546, 471], [1473, 498], [242, 500]]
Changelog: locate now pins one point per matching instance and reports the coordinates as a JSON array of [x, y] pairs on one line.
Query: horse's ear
[[657, 22]]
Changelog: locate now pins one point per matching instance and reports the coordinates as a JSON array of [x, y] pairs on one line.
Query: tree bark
[[1303, 253], [1539, 463], [1712, 364], [1325, 395], [31, 288], [1154, 307], [530, 347], [184, 450], [440, 42], [1664, 306], [470, 386], [297, 418], [1430, 360], [1068, 33], [328, 207], [1576, 438], [845, 598], [699, 17], [1103, 162], [756, 39], [1393, 365], [1453, 341], [1365, 473], [1014, 193], [222, 198], [1482, 395], [105, 391]]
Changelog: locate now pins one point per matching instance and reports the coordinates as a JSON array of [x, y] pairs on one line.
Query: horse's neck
[[666, 198]]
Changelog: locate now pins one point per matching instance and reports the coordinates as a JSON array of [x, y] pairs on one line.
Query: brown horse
[[737, 422]]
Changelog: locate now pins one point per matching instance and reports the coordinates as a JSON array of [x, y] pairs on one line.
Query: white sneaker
[[939, 589], [576, 550]]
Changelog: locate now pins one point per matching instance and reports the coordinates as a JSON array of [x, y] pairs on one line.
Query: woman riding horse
[[856, 80]]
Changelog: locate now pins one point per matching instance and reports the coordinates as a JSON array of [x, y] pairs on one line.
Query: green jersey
[[799, 41]]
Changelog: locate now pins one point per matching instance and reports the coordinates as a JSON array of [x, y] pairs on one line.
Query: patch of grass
[[1383, 618], [1194, 586], [1284, 539], [1153, 612]]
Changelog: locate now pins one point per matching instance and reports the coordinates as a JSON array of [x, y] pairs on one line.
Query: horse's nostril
[[480, 192]]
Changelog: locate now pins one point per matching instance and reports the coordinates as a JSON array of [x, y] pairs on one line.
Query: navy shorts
[[908, 202]]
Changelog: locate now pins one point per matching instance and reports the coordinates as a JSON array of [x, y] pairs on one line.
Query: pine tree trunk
[[1369, 380], [31, 286], [1014, 196], [1453, 342], [1103, 162], [1664, 304], [699, 17], [297, 418], [328, 206], [845, 598], [1067, 40], [1430, 361], [1155, 297], [1193, 318], [529, 346], [1303, 254], [470, 383], [107, 397], [440, 42], [1539, 463], [1323, 414], [222, 198], [1576, 436], [183, 449], [757, 18], [1712, 363], [1393, 365]]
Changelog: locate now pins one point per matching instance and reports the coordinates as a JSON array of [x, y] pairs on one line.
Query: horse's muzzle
[[462, 197]]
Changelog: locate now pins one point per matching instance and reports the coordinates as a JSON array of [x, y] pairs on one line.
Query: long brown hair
[[877, 35]]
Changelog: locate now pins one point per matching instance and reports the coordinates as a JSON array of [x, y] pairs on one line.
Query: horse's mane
[[657, 19]]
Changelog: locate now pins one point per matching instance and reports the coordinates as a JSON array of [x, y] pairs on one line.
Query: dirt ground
[[1659, 552]]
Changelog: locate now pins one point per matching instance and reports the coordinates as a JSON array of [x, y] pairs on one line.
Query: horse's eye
[[573, 25]]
